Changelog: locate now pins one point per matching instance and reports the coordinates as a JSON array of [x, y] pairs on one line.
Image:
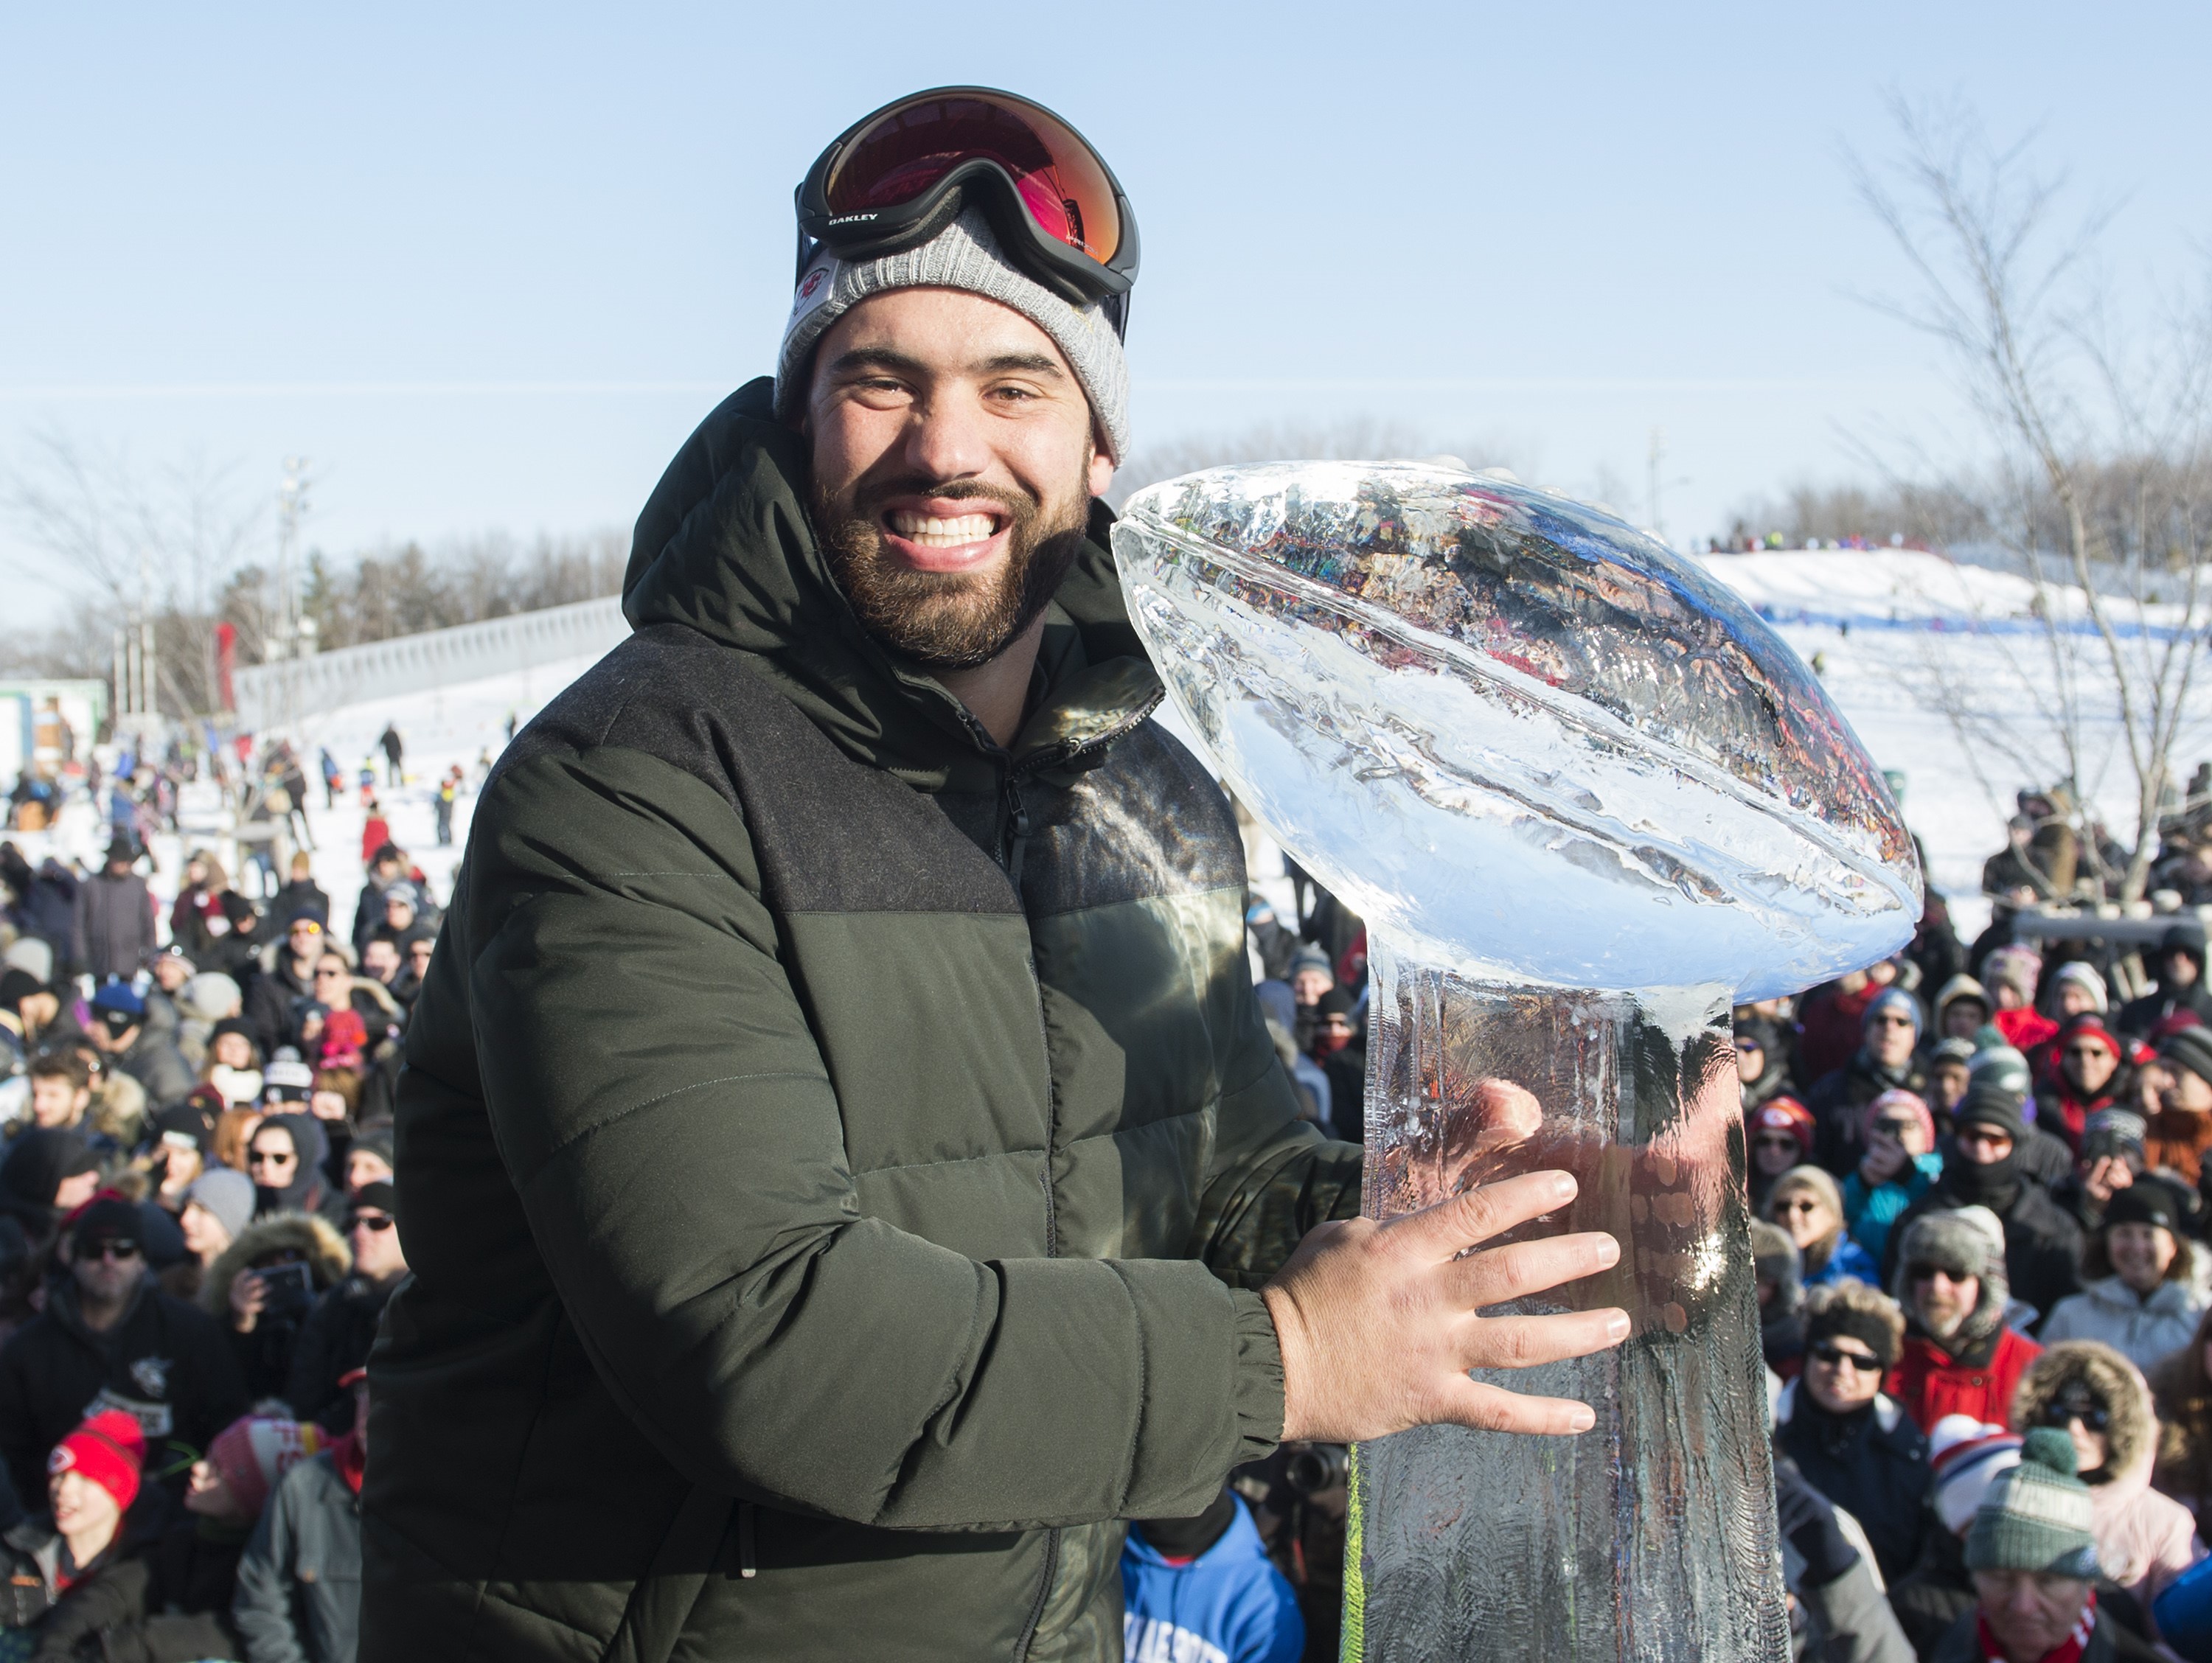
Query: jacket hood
[[726, 546], [2132, 1432], [1959, 988], [327, 1255]]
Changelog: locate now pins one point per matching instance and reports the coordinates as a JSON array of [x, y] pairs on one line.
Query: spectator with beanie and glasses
[[1984, 1169], [1959, 1356], [1779, 1133], [110, 1339]]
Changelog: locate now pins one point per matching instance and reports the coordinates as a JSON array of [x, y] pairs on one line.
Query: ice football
[[1524, 739]]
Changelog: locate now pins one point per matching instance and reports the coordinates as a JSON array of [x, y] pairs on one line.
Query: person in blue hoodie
[[1203, 1590]]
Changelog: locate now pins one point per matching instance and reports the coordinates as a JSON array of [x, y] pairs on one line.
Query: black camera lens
[[1316, 1467]]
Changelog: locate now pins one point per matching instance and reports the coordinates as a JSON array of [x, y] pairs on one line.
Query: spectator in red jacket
[[1960, 1358]]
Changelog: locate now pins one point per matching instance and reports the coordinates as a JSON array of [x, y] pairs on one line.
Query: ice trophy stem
[[1651, 1536]]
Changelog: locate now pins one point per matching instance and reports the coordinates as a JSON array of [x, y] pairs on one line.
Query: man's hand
[[1377, 1322]]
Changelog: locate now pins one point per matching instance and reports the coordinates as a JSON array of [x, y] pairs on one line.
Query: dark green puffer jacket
[[834, 1153]]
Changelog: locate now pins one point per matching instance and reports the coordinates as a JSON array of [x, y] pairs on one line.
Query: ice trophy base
[[1651, 1536]]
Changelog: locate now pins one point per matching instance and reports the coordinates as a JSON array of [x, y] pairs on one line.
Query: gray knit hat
[[964, 255], [2037, 1516]]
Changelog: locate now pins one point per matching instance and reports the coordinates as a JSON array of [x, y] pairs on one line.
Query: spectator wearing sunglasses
[[1762, 1061], [2088, 1072], [1853, 1443], [110, 1339], [1887, 1059], [1780, 1133], [2147, 1306], [2099, 1399], [1900, 1165], [335, 1339], [1806, 1202], [1985, 1168], [1959, 1356]]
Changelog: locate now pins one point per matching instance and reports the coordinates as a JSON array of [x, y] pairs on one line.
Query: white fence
[[276, 694]]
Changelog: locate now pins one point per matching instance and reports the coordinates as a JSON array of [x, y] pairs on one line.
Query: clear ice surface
[[1514, 734], [1583, 798]]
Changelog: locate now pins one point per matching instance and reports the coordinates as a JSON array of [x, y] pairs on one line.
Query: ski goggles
[[895, 178]]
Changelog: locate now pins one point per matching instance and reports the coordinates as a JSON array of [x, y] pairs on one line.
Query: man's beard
[[949, 620]]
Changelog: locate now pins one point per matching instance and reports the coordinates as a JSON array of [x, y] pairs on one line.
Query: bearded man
[[843, 1165]]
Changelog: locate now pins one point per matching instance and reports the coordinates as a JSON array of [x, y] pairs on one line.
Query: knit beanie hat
[[1783, 1114], [1967, 1456], [1892, 1105], [965, 255], [2001, 1065], [2191, 1048], [227, 1194], [2085, 977], [254, 1451], [1953, 1050], [2091, 1025], [2146, 1202], [2037, 1516], [2113, 1132], [1962, 1241], [2017, 967], [1891, 1001], [1987, 1103], [109, 1449]]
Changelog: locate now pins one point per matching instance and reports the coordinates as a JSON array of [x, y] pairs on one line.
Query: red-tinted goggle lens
[[911, 146]]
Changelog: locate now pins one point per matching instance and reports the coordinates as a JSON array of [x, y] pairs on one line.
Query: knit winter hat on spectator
[[1895, 1104], [254, 1451], [16, 986], [1783, 1114], [1961, 1242], [2085, 977], [227, 1194], [1990, 1104], [2145, 1202], [2037, 1516], [2113, 1132], [966, 256], [1891, 1001], [2017, 967], [2191, 1048], [110, 1450], [1967, 1456]]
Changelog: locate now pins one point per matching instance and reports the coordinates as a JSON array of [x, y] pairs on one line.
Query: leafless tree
[[120, 544], [2097, 475]]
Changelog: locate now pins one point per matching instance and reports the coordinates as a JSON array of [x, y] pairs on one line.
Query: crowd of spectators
[[1979, 1179], [198, 1233]]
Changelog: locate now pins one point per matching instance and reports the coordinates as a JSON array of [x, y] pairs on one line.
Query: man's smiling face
[[953, 469]]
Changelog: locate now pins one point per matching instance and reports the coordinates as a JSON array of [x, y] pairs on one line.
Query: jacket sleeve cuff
[[1259, 1385]]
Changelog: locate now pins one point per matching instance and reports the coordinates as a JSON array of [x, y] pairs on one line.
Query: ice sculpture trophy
[[1584, 799]]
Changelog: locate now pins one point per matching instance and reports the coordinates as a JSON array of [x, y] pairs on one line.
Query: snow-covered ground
[[1936, 666]]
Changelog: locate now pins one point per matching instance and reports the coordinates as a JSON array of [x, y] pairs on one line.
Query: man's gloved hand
[[1808, 1524]]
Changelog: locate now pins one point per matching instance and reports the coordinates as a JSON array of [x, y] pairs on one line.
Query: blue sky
[[487, 266]]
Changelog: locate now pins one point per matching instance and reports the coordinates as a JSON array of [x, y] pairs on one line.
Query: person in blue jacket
[[1203, 1590]]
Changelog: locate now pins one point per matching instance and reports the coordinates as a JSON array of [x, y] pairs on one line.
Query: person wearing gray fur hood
[[2099, 1398]]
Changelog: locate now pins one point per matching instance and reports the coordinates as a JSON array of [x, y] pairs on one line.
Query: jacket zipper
[[1044, 1594]]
